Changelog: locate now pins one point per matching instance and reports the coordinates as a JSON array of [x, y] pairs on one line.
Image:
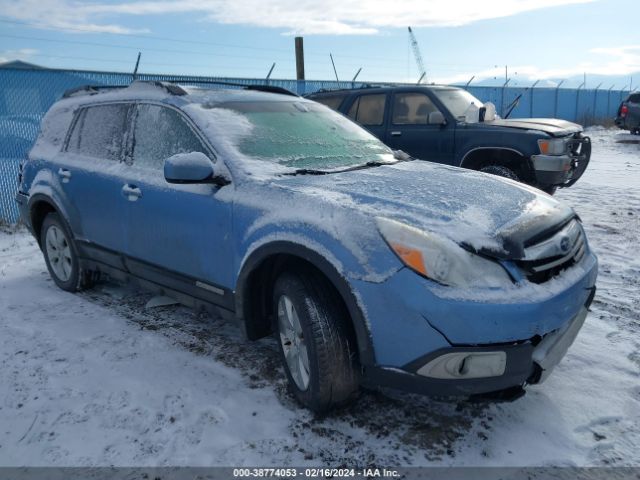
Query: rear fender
[[46, 188]]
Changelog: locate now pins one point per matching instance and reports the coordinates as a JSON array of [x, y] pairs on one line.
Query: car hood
[[482, 212], [552, 126]]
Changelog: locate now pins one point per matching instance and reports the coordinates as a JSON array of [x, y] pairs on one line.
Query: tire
[[61, 255], [500, 171], [549, 190], [321, 335]]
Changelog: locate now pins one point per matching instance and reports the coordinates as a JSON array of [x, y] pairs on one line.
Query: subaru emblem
[[564, 244]]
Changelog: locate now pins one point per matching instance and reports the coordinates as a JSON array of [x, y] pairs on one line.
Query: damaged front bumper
[[513, 366], [425, 341]]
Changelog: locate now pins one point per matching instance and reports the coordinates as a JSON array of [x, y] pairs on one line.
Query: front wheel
[[500, 171], [311, 328]]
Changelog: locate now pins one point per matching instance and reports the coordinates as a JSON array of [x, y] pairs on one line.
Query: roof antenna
[[135, 70]]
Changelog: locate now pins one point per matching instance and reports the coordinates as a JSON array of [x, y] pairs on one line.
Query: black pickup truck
[[449, 125]]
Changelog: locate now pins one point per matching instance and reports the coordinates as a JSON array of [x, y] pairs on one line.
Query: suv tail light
[[624, 110]]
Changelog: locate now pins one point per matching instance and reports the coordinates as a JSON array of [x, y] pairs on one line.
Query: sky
[[458, 39]]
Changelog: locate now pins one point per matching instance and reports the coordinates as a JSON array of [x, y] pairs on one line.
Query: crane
[[417, 54]]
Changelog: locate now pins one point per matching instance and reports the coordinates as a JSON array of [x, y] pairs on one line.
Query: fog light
[[464, 365]]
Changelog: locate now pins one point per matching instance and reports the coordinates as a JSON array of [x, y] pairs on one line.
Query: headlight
[[554, 146], [439, 258]]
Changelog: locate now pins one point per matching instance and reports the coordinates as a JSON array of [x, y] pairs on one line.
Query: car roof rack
[[89, 90], [258, 87], [171, 88], [271, 89]]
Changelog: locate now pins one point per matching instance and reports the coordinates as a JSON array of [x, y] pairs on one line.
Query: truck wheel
[[500, 171], [311, 329], [61, 255]]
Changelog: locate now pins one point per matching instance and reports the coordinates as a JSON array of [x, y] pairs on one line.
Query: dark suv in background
[[434, 123], [628, 117]]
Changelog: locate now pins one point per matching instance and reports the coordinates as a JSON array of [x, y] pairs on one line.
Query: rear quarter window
[[635, 98], [331, 101], [368, 109], [99, 131]]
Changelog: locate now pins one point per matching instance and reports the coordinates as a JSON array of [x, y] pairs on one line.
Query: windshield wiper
[[366, 165], [307, 171], [399, 155]]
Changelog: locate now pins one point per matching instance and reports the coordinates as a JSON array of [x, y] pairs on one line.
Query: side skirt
[[188, 291]]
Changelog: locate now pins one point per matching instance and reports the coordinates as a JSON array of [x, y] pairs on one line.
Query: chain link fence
[[26, 95]]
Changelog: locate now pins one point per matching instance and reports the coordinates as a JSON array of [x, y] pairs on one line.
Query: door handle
[[64, 174], [396, 133], [132, 192]]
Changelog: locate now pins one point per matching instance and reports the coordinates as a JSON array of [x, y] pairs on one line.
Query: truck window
[[159, 133], [412, 109], [99, 131], [331, 101], [368, 109]]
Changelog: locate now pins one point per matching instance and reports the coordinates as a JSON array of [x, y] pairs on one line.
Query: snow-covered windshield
[[457, 101], [304, 135]]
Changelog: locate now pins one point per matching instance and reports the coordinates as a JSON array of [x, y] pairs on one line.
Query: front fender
[[482, 137], [327, 263]]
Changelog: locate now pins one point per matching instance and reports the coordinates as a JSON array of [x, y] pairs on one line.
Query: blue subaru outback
[[369, 268]]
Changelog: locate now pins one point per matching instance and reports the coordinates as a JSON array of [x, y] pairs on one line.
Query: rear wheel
[[500, 171], [311, 329], [61, 256]]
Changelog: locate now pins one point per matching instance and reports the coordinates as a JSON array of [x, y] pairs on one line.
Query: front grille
[[547, 258]]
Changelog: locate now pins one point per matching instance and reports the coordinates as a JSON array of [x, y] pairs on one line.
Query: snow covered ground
[[95, 379]]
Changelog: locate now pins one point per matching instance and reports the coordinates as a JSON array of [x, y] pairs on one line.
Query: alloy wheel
[[58, 253], [293, 342]]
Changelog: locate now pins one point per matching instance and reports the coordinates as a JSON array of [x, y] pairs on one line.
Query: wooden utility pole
[[299, 59]]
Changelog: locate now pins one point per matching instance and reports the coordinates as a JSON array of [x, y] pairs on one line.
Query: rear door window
[[99, 131], [159, 133], [368, 109]]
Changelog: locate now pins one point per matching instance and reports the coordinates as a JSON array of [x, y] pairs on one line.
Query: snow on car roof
[[212, 96], [156, 91]]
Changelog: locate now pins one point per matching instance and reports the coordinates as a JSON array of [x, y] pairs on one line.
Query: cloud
[[620, 60], [21, 54], [64, 15], [308, 17]]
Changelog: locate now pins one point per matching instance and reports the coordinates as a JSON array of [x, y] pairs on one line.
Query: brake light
[[624, 110]]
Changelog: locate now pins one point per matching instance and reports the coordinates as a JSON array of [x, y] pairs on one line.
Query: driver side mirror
[[437, 118], [193, 167]]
